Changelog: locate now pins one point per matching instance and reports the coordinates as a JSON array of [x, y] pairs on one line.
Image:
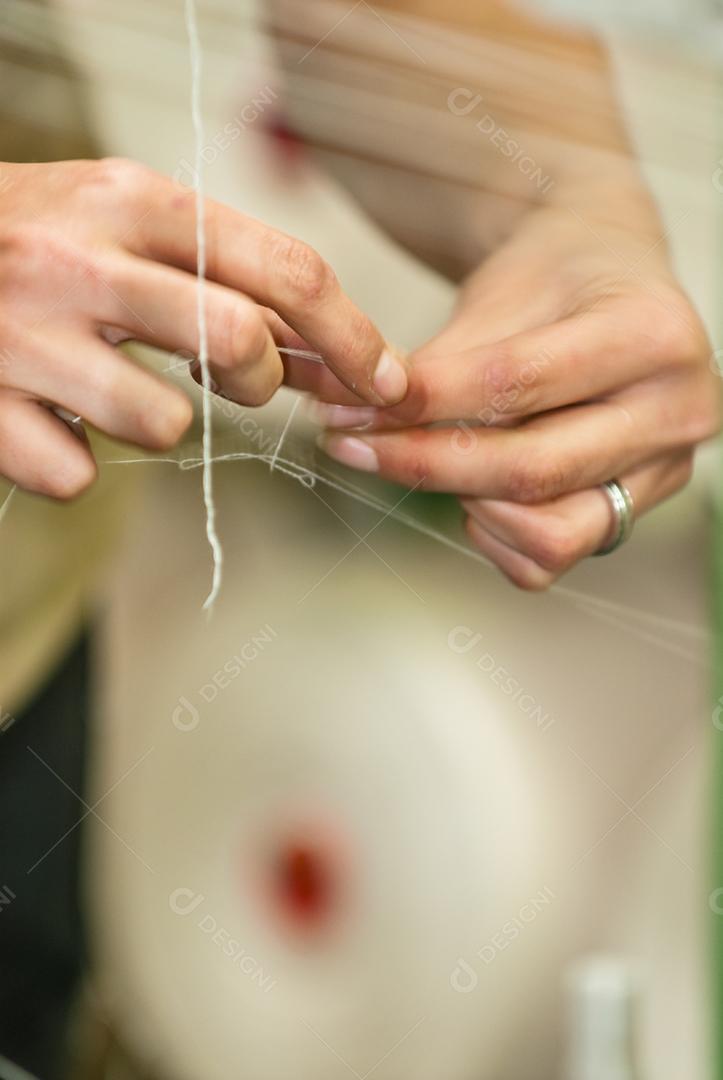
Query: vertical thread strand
[[196, 57]]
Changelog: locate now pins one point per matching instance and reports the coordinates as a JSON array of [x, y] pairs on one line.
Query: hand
[[573, 358], [94, 252]]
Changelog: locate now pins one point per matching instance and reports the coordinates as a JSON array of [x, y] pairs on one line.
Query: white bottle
[[601, 1021]]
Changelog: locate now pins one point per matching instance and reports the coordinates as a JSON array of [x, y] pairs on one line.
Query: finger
[[90, 379], [158, 305], [283, 334], [280, 272], [583, 357], [518, 568], [555, 536], [304, 368], [311, 377], [552, 455], [39, 453]]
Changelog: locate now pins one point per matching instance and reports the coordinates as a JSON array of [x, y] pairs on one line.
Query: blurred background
[[383, 815]]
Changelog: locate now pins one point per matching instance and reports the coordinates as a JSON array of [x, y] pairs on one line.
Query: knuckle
[[415, 464], [15, 255], [536, 478], [24, 248], [308, 277], [125, 178], [502, 387], [28, 251]]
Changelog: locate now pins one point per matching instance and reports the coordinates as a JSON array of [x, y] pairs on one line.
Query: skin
[[96, 252], [609, 379], [573, 355]]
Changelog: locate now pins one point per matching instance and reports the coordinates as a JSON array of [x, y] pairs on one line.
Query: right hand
[[99, 251]]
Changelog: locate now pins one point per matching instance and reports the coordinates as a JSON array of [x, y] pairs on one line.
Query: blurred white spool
[[601, 1017]]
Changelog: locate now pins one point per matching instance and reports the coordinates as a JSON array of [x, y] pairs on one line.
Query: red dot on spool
[[303, 884]]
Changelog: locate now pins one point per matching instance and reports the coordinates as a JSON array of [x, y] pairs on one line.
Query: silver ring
[[623, 509]]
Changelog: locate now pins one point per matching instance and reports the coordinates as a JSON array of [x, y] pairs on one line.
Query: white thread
[[6, 502], [574, 595], [303, 353], [286, 427], [198, 130], [607, 610], [600, 613]]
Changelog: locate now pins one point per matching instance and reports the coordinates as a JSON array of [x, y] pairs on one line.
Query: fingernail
[[390, 378], [341, 416], [349, 451]]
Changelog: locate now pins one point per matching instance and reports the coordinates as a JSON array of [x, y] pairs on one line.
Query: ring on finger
[[623, 508]]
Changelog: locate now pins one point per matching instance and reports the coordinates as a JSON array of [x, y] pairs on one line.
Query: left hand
[[573, 357]]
